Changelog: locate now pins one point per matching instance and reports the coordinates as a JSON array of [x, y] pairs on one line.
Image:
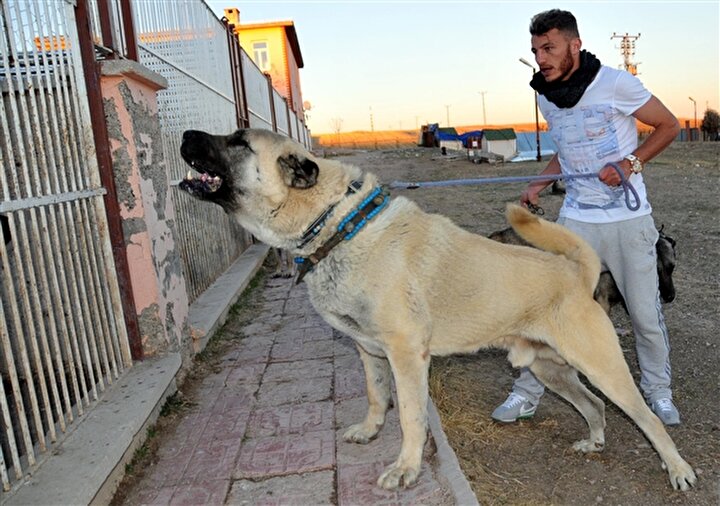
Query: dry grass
[[456, 395]]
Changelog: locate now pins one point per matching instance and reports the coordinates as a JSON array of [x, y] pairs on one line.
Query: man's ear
[[298, 173], [575, 45]]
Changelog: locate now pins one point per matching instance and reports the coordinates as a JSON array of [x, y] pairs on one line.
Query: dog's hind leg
[[601, 360], [562, 379], [377, 381]]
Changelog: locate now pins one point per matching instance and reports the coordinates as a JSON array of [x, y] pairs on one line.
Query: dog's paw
[[682, 476], [588, 446], [396, 475], [360, 433]]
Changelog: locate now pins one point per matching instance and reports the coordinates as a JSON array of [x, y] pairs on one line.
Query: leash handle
[[627, 188]]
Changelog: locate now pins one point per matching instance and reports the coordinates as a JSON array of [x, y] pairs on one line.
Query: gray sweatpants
[[627, 250]]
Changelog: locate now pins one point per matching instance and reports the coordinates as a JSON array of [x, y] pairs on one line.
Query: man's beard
[[566, 66]]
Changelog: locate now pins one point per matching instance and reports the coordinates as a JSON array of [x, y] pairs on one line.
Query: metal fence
[[185, 43], [62, 333]]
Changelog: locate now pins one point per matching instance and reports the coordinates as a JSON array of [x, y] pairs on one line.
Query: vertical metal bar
[[107, 28], [104, 161], [271, 99], [24, 265], [7, 421], [131, 48]]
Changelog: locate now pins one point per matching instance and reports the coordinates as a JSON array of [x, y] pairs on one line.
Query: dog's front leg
[[377, 381], [410, 365]]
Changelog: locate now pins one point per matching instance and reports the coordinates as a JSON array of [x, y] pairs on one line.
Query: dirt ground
[[532, 462]]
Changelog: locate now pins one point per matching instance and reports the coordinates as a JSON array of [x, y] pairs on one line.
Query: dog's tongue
[[213, 182]]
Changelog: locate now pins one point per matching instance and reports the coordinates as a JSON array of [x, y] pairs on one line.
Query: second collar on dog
[[317, 225], [348, 227]]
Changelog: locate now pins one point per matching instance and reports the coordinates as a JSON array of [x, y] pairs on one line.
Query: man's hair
[[564, 21]]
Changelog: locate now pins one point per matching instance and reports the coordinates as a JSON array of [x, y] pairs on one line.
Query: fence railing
[[213, 85], [62, 333]]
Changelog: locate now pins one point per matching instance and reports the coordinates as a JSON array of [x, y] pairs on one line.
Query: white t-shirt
[[599, 129]]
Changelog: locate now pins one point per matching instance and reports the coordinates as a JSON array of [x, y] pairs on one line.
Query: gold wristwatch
[[636, 165]]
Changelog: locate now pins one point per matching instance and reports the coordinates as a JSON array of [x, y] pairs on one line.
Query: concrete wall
[[147, 211]]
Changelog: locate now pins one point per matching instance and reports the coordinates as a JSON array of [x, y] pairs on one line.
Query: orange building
[[274, 48]]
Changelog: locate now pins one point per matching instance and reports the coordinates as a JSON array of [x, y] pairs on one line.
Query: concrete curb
[[210, 310], [449, 466], [88, 465]]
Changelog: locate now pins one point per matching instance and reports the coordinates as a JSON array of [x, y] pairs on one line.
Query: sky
[[398, 64]]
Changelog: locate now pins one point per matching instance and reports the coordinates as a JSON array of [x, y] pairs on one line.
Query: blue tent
[[527, 146]]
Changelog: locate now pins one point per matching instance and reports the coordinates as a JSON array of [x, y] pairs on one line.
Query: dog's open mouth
[[205, 182], [202, 184]]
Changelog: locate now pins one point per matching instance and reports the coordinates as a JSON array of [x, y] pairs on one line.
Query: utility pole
[[372, 125], [627, 47], [447, 115], [483, 103], [695, 109]]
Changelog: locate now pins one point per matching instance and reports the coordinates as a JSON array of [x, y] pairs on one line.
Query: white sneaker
[[666, 411], [516, 407]]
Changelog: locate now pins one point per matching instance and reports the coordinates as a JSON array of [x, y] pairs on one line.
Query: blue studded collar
[[347, 229]]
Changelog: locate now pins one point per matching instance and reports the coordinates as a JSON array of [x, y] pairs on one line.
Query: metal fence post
[[102, 149]]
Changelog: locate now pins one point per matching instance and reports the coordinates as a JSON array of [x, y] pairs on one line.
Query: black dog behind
[[607, 293]]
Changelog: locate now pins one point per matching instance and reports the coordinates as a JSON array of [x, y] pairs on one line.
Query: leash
[[626, 186]]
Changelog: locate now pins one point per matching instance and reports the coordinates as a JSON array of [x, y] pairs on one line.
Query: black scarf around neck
[[566, 94]]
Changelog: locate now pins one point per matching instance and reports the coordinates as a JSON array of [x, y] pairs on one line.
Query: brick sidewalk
[[266, 427]]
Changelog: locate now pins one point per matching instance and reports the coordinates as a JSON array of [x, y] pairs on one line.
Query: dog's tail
[[556, 239]]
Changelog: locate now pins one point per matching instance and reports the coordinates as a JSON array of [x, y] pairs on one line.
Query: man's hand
[[609, 175], [531, 195]]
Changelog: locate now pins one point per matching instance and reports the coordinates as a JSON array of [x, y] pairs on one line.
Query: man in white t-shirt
[[591, 111]]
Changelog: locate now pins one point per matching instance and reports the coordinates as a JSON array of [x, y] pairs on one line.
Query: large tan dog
[[410, 285]]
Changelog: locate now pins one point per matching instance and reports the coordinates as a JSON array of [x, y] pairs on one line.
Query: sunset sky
[[409, 63]]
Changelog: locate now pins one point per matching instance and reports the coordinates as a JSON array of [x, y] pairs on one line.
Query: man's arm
[[666, 128], [530, 195]]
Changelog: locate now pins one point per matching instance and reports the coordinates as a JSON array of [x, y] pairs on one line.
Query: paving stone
[[246, 374], [292, 454], [310, 333], [302, 350], [310, 390], [187, 431], [309, 489], [385, 447], [207, 494], [255, 349], [343, 346], [273, 306], [227, 426], [155, 496], [213, 461], [291, 419], [349, 383], [299, 370], [357, 485], [238, 398]]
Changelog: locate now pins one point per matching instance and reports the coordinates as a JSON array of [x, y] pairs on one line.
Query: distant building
[[274, 48], [501, 142]]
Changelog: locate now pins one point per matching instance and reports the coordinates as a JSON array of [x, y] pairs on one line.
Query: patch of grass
[[174, 404]]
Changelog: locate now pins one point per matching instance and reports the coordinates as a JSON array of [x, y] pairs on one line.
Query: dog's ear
[[298, 173]]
